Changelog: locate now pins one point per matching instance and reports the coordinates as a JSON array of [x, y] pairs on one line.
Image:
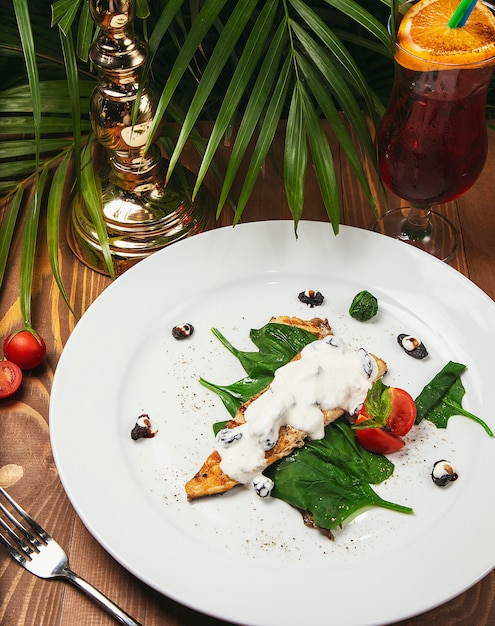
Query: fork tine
[[33, 523], [9, 530], [18, 556], [26, 541]]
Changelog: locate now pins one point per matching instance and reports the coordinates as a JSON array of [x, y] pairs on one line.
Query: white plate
[[237, 557]]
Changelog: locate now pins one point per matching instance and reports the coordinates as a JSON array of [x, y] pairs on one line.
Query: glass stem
[[417, 226]]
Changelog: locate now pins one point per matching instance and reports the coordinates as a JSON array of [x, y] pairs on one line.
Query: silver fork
[[41, 555]]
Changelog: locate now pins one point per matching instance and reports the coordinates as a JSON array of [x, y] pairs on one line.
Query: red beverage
[[432, 141]]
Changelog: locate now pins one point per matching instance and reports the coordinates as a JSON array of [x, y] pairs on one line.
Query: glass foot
[[440, 238]]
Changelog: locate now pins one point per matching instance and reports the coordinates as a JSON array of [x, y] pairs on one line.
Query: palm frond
[[7, 228], [64, 13], [265, 84], [226, 42], [322, 159], [29, 239], [314, 48], [332, 115], [54, 207], [74, 98], [200, 27], [296, 153], [85, 32], [245, 68], [93, 199], [269, 125]]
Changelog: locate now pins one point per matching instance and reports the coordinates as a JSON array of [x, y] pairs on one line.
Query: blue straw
[[462, 13]]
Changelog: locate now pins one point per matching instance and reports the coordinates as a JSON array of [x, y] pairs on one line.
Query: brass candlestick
[[142, 215]]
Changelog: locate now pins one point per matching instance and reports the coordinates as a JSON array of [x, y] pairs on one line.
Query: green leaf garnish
[[378, 405], [331, 477], [442, 398]]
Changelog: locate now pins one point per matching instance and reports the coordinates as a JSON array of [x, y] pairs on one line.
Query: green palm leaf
[[13, 127], [263, 87], [24, 147], [54, 207], [267, 132], [29, 239], [75, 101], [7, 229], [244, 65], [221, 53], [200, 27], [295, 154], [327, 106], [85, 30], [24, 24], [53, 97], [340, 88], [244, 70], [25, 32], [142, 9], [64, 13], [322, 159], [92, 197], [353, 10], [339, 55], [170, 11]]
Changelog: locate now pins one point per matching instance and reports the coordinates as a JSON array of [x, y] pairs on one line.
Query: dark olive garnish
[[443, 473], [311, 298], [182, 331], [412, 346], [143, 428]]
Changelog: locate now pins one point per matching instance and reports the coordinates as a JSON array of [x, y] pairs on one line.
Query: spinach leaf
[[364, 306], [442, 398], [331, 477], [277, 344], [237, 393]]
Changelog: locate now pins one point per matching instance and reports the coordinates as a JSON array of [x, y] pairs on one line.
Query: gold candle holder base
[[137, 224]]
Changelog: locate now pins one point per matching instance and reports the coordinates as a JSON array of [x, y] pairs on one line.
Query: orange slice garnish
[[425, 35]]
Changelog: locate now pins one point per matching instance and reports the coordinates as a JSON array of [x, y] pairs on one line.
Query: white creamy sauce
[[329, 375]]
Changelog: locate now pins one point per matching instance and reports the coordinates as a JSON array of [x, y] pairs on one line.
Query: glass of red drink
[[432, 146]]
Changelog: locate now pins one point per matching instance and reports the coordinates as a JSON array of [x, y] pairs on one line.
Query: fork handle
[[119, 614]]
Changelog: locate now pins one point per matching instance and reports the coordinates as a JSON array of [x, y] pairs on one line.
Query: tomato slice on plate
[[391, 412], [379, 440], [10, 378], [403, 414]]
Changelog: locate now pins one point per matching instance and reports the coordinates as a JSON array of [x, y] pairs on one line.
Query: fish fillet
[[210, 479]]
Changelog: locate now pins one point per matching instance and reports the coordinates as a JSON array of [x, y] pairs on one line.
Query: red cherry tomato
[[403, 413], [10, 378], [392, 425], [377, 439], [24, 348]]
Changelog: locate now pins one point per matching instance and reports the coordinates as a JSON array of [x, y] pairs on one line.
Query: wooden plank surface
[[25, 454]]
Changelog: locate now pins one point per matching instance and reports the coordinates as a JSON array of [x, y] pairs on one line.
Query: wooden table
[[26, 462]]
